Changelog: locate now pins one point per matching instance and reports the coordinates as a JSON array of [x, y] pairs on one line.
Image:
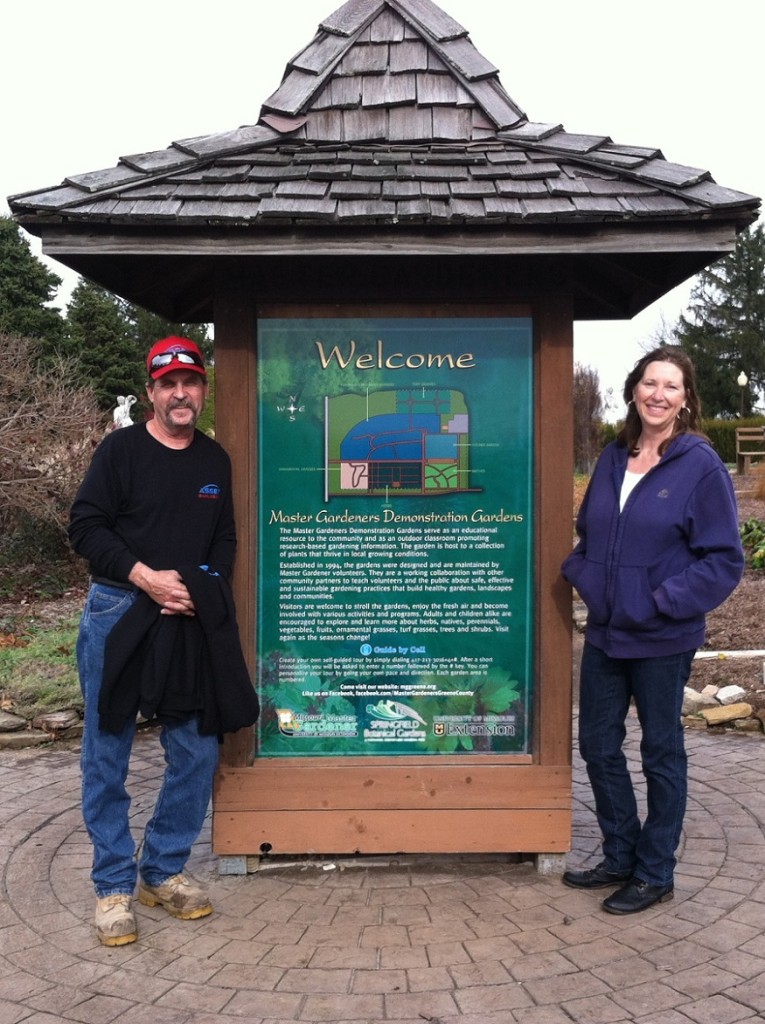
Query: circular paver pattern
[[371, 940]]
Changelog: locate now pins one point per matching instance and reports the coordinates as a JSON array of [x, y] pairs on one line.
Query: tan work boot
[[179, 896], [115, 921]]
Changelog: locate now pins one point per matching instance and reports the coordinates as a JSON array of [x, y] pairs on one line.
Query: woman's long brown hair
[[688, 420]]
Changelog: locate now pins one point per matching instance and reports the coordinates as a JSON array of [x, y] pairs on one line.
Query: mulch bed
[[739, 623]]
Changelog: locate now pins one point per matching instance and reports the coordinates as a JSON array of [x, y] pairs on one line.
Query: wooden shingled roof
[[390, 123]]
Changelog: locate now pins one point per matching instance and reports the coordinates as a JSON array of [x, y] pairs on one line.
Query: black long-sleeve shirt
[[165, 507]]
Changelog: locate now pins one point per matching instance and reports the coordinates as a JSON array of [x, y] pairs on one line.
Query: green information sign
[[395, 536]]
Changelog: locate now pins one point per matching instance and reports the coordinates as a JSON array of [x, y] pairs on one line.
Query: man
[[156, 498]]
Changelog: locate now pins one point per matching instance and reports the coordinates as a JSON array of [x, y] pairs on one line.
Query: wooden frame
[[468, 803]]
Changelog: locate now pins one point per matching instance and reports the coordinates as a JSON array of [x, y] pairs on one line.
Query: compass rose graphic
[[292, 408]]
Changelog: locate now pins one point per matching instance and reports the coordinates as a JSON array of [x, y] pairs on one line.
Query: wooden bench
[[750, 443]]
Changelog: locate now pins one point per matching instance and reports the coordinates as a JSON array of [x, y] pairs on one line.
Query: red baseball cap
[[174, 354]]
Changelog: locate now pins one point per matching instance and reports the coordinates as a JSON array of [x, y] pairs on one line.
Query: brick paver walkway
[[474, 942]]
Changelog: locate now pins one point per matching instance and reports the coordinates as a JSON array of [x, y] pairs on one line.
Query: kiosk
[[393, 257]]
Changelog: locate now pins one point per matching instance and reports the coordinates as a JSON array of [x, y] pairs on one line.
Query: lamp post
[[742, 380]]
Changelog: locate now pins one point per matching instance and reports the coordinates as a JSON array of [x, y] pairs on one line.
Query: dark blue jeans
[[656, 686], [190, 762]]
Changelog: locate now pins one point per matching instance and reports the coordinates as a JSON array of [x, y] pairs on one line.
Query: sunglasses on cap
[[165, 358]]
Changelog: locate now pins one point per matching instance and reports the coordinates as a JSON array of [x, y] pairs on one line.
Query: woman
[[658, 548]]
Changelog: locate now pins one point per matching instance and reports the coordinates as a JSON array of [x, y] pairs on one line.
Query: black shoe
[[637, 895], [595, 878]]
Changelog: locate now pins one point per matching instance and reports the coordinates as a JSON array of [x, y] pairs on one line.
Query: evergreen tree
[[149, 327], [111, 338], [99, 334], [723, 330], [26, 286]]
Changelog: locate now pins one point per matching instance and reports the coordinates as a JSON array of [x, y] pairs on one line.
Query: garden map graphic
[[397, 442]]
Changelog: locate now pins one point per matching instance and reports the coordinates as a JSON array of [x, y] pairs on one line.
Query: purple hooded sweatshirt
[[650, 573]]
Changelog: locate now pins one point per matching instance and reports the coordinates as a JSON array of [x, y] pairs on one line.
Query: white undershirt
[[631, 480]]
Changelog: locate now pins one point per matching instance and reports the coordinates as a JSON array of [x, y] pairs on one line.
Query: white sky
[[84, 82]]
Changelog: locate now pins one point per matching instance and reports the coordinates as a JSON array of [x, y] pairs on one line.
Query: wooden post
[[236, 429], [554, 429]]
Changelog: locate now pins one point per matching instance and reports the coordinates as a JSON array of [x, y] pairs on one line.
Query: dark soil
[[739, 623]]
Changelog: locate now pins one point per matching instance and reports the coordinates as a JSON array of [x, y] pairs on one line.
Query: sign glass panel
[[395, 536]]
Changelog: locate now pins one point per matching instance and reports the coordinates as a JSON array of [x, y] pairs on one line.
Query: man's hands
[[164, 586]]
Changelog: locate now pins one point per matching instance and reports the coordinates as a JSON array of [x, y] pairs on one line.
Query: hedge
[[722, 434]]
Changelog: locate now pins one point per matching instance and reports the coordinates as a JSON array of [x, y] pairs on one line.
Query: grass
[[38, 671]]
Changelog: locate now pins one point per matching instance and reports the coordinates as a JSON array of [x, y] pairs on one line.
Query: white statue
[[121, 415]]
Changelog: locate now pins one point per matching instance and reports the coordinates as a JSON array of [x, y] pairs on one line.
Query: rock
[[579, 615], [727, 713], [710, 690], [693, 722], [11, 723], [693, 701], [24, 740], [56, 722], [730, 694], [747, 725]]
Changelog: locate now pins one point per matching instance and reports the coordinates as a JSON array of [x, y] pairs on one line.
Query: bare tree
[[588, 417], [49, 427], [662, 334]]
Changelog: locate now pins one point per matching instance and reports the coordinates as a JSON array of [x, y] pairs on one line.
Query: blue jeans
[[190, 763], [656, 686]]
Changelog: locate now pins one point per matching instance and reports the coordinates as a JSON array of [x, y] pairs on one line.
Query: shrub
[[753, 538], [50, 427]]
